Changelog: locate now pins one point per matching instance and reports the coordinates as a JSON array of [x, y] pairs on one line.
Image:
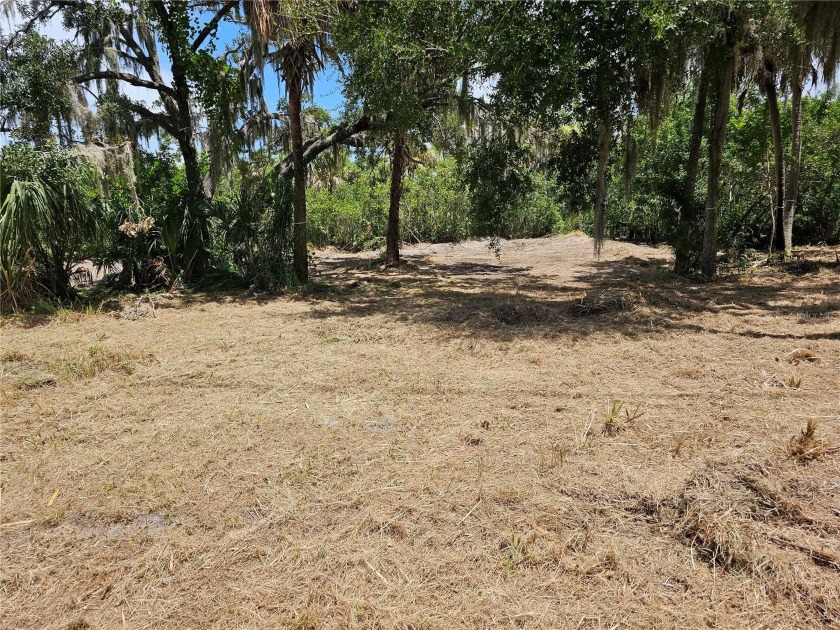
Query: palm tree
[[294, 37], [767, 81], [684, 250], [723, 59], [820, 29]]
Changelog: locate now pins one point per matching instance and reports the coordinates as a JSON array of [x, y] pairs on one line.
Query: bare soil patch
[[541, 441]]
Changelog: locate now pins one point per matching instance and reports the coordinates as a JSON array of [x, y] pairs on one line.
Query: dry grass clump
[[806, 447], [13, 356], [95, 360], [518, 312], [740, 518], [801, 355], [817, 307], [790, 382], [25, 371], [144, 307], [711, 512], [599, 301]]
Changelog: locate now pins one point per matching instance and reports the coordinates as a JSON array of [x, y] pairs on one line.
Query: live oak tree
[[593, 62], [406, 62], [36, 103]]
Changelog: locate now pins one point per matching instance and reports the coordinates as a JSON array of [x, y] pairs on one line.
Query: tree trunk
[[716, 146], [192, 171], [300, 254], [392, 238], [689, 210], [604, 140], [778, 156], [792, 189]]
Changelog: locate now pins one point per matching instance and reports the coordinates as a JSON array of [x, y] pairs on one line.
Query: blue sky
[[327, 92]]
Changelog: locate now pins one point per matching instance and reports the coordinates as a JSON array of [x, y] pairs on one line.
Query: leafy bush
[[252, 235], [654, 199], [435, 206], [508, 196], [50, 211], [353, 213]]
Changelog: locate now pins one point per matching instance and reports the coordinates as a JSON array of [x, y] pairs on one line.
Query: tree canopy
[[559, 106]]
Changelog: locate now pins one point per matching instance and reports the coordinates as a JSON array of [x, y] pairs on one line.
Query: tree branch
[[129, 57], [159, 119], [128, 39], [128, 78], [259, 119], [313, 147], [212, 24], [42, 15]]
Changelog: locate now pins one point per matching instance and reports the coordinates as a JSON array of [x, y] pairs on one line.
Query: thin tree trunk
[[689, 210], [716, 146], [778, 156], [604, 140], [392, 238], [300, 254], [792, 189]]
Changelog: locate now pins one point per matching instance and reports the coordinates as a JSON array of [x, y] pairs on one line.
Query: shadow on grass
[[633, 296]]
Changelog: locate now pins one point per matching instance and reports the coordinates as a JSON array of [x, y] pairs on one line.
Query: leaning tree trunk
[[392, 238], [604, 140], [300, 254], [792, 189], [684, 250], [716, 146], [778, 157]]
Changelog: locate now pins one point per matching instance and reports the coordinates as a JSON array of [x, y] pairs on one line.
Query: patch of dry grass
[[739, 518], [394, 451], [599, 301]]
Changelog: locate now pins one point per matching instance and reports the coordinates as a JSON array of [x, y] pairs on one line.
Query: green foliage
[[435, 206], [508, 196], [496, 194], [524, 164], [818, 216], [570, 164], [34, 70], [252, 230], [353, 213], [49, 211], [405, 57], [652, 205]]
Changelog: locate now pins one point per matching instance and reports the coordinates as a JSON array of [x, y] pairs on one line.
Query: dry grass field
[[544, 441]]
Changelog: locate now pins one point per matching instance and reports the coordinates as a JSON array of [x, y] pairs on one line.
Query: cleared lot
[[547, 440]]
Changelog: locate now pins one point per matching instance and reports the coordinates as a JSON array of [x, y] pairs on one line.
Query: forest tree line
[[710, 126]]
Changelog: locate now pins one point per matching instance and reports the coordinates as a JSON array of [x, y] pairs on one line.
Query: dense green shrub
[[651, 203], [50, 211]]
